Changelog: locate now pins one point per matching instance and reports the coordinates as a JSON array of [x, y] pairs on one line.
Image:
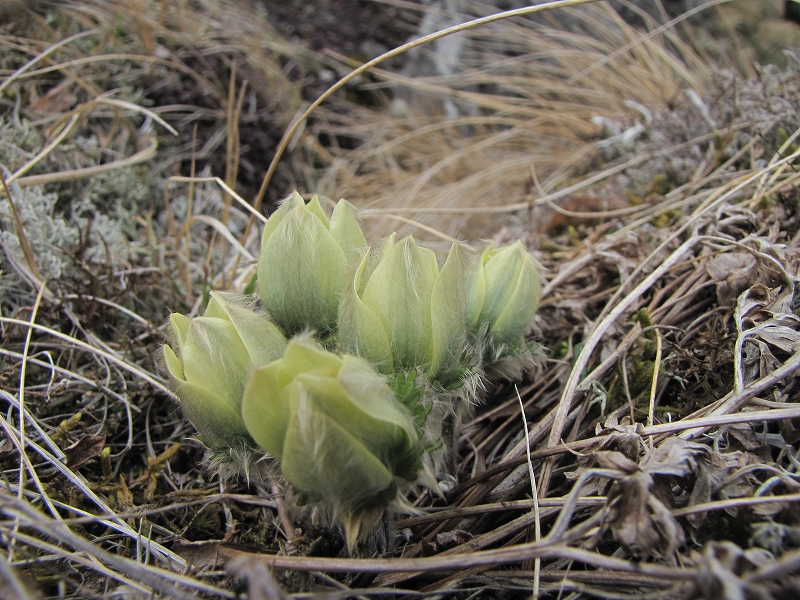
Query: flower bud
[[210, 361], [503, 294], [406, 313], [336, 428], [304, 263]]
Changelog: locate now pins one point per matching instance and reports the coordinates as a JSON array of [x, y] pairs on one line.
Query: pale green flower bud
[[406, 313], [210, 362], [304, 263], [335, 426], [503, 294]]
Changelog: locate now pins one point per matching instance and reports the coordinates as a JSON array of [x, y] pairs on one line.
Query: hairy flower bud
[[503, 294], [405, 313], [304, 263], [210, 362], [336, 428]]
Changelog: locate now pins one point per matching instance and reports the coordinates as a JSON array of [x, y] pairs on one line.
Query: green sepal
[[399, 293], [316, 450], [448, 307], [409, 394], [361, 331], [346, 230]]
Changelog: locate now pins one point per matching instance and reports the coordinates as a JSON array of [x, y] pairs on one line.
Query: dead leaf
[[770, 509], [753, 304], [86, 448], [777, 538], [611, 459], [622, 437], [780, 331], [445, 541], [639, 520], [451, 539], [713, 469], [7, 449], [723, 569], [741, 437], [56, 101], [629, 515], [719, 571], [733, 272], [633, 514], [744, 435], [676, 457]]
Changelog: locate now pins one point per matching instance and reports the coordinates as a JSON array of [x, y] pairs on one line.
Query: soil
[[358, 29], [353, 28]]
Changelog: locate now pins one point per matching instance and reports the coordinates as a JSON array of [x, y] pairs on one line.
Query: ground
[[657, 188]]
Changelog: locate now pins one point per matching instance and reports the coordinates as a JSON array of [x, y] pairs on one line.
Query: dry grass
[[662, 430], [527, 104]]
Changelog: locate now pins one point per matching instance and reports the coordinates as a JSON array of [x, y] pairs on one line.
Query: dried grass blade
[[537, 563], [157, 579], [228, 190], [138, 109], [145, 154], [694, 426], [459, 562], [46, 150], [133, 369], [22, 372], [80, 483], [220, 228], [649, 36], [16, 74], [582, 361], [24, 243], [287, 137]]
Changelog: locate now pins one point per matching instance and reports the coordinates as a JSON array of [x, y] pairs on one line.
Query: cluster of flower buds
[[377, 337]]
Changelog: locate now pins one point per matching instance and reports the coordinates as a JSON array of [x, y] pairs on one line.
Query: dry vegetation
[[658, 189]]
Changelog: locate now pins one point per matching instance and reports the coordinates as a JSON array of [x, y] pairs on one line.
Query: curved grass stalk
[[19, 72], [142, 155], [287, 137]]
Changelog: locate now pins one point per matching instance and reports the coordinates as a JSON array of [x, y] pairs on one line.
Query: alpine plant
[[342, 377]]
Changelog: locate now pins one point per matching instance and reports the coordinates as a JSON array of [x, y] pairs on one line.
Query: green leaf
[[409, 394]]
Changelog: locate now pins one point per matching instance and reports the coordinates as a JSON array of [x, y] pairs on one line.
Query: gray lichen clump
[[95, 223], [757, 115]]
